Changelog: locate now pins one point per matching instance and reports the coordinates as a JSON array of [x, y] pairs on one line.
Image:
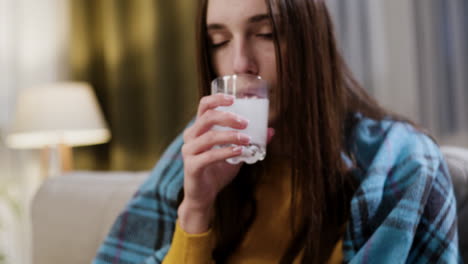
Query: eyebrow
[[252, 20]]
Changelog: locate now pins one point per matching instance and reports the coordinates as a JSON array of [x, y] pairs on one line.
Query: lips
[[249, 95]]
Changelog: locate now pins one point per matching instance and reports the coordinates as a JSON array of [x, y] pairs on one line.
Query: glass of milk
[[251, 102]]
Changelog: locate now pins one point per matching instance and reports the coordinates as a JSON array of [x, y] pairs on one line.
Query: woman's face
[[241, 38]]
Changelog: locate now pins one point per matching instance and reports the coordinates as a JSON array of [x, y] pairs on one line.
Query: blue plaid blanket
[[402, 212]]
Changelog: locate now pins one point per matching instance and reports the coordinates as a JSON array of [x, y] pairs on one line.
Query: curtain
[[33, 51], [412, 56], [443, 66], [139, 57]]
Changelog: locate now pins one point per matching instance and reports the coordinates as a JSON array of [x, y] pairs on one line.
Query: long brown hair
[[316, 99]]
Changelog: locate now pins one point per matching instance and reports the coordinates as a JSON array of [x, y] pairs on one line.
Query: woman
[[343, 181]]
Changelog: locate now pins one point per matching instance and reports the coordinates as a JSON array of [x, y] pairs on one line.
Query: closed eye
[[218, 45], [268, 36]]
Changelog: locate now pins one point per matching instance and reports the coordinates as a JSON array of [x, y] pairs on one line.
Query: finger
[[213, 101], [212, 138], [270, 134], [220, 118], [215, 155]]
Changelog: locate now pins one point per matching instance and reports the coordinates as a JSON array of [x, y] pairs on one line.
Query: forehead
[[234, 11]]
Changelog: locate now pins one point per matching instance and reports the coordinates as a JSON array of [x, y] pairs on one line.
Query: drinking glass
[[251, 102]]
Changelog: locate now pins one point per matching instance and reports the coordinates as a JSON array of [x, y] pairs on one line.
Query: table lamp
[[54, 118]]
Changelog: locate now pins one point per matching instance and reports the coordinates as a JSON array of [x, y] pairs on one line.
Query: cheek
[[266, 52], [220, 61], [268, 72], [267, 61]]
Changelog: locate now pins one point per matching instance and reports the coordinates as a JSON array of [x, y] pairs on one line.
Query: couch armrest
[[72, 214], [457, 161]]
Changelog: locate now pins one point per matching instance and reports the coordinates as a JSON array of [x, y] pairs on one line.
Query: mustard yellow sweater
[[265, 242]]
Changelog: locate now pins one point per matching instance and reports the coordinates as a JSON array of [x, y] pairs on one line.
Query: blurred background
[[138, 56]]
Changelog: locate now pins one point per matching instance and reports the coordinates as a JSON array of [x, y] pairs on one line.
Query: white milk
[[256, 111]]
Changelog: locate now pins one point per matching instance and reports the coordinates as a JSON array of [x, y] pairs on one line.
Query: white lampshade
[[60, 113]]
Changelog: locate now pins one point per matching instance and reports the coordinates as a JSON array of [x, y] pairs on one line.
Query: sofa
[[72, 214]]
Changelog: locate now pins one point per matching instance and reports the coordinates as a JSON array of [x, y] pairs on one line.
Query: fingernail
[[243, 138], [229, 97], [243, 122], [237, 149]]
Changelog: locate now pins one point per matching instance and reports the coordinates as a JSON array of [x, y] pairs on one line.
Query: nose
[[244, 61]]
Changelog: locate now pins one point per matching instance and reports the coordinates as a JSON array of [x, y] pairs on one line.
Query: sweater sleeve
[[190, 248]]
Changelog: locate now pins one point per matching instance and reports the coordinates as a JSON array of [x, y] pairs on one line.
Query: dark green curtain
[[139, 57]]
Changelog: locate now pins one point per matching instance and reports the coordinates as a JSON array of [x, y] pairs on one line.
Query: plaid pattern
[[402, 212], [404, 208]]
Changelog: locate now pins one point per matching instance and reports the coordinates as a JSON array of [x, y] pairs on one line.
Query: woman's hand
[[205, 169]]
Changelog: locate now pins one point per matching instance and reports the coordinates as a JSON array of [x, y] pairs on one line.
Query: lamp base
[[56, 160]]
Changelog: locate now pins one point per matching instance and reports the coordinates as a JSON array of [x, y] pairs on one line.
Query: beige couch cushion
[[72, 214]]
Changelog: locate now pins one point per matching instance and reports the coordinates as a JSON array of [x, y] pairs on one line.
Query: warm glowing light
[[61, 113]]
